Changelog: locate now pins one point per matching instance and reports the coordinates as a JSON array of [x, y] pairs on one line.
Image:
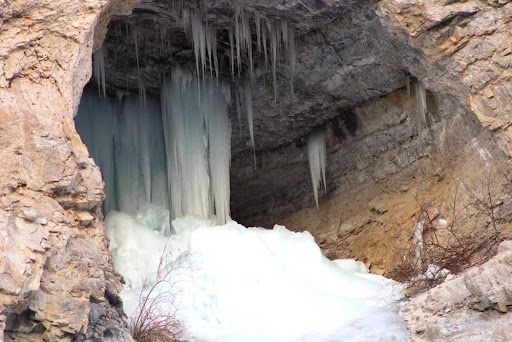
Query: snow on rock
[[254, 284]]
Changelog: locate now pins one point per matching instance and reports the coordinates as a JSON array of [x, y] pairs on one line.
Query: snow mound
[[254, 284]]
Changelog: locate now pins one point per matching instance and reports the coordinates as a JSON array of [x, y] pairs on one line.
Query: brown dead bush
[[156, 318], [443, 244]]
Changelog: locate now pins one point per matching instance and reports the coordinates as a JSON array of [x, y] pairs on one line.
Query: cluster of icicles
[[421, 103], [273, 38]]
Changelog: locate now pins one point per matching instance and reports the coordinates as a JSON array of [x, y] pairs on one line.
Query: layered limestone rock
[[56, 277], [339, 44], [379, 177], [471, 41]]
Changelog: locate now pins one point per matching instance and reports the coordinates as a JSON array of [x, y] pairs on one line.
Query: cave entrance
[[171, 149], [272, 109], [369, 130], [379, 118], [157, 134]]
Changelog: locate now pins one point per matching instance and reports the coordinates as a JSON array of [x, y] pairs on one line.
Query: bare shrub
[[156, 318], [440, 245]]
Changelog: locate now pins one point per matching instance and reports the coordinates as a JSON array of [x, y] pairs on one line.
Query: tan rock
[[49, 267]]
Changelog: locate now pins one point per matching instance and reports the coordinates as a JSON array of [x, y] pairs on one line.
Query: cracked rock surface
[[54, 259]]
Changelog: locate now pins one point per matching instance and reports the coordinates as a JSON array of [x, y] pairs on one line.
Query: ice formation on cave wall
[[99, 70], [273, 39], [198, 146], [317, 161], [421, 107], [175, 154]]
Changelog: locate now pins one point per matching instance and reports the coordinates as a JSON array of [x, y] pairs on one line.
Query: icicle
[[238, 41], [99, 70], [247, 39], [284, 32], [198, 31], [204, 40], [197, 134], [421, 107], [238, 98], [144, 147], [135, 33], [186, 147], [249, 109], [219, 138], [209, 44], [214, 48], [278, 29], [292, 56], [317, 161], [185, 18], [198, 24], [274, 41], [264, 42], [142, 89], [408, 85], [232, 53], [243, 32], [257, 19]]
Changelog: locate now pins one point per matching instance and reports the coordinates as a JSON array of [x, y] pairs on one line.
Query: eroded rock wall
[[461, 52], [380, 175], [55, 268]]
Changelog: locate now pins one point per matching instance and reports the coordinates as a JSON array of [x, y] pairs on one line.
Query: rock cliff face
[[56, 277]]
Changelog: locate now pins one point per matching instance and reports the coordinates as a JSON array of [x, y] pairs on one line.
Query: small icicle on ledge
[[166, 166]]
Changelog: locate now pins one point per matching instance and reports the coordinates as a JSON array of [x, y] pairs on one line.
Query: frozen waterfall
[[174, 153], [198, 144]]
